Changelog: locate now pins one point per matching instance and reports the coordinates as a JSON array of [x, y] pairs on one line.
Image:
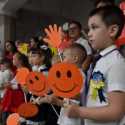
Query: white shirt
[[112, 66], [63, 119], [85, 44], [5, 77], [41, 68]]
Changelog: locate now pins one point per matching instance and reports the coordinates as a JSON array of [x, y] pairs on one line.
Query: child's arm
[[55, 100], [51, 99], [114, 111]]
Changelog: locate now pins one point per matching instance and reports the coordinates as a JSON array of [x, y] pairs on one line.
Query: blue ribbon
[[101, 96]]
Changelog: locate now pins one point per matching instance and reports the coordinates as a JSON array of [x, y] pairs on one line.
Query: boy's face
[[99, 33], [67, 56], [74, 31]]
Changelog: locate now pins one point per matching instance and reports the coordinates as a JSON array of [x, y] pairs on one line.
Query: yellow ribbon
[[94, 87], [23, 48]]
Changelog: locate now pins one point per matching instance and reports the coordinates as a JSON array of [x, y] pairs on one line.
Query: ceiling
[[77, 9]]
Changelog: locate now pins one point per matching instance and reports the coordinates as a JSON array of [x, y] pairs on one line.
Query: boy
[[75, 36], [75, 54], [106, 96]]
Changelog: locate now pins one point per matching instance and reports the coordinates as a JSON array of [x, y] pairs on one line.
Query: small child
[[38, 57], [6, 75], [14, 95], [38, 61], [106, 95], [75, 54]]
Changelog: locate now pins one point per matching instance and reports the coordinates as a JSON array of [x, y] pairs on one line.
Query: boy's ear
[[76, 58], [113, 30]]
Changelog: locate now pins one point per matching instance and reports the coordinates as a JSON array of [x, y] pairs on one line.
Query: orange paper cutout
[[53, 36], [13, 119], [65, 80], [21, 75], [36, 83], [27, 110]]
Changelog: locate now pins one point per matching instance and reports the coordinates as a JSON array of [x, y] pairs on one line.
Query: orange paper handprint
[[13, 119], [53, 35]]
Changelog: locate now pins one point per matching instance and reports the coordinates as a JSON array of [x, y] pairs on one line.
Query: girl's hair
[[23, 59], [36, 40], [46, 53], [13, 49]]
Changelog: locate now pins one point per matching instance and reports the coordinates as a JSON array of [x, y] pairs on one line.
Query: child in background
[[106, 95], [14, 95], [75, 54], [38, 57], [38, 61], [6, 74]]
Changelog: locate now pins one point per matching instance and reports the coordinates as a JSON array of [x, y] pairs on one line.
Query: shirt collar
[[107, 50]]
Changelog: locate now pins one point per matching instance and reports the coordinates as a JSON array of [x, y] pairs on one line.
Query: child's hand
[[72, 111], [54, 100], [41, 100], [51, 99]]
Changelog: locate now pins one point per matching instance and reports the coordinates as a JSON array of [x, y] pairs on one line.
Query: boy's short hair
[[75, 22], [106, 2], [110, 15], [79, 50]]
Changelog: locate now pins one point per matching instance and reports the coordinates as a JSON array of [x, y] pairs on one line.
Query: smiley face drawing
[[36, 83], [27, 110], [65, 80]]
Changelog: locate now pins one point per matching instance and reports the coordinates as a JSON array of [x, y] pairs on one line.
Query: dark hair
[[37, 51], [7, 62], [77, 23], [106, 2], [23, 59], [36, 40], [45, 53], [110, 15], [13, 49]]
